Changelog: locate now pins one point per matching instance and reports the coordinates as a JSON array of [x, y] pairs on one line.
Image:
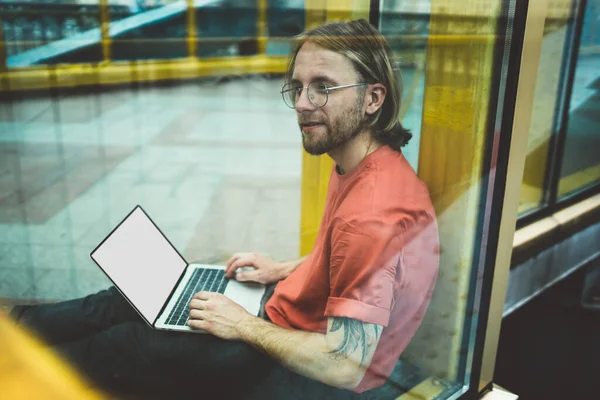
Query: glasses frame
[[327, 88]]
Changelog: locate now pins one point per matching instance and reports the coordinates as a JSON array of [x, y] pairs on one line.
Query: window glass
[[45, 32], [448, 99], [581, 164], [148, 29], [558, 24], [405, 26], [448, 58], [286, 18], [219, 165], [227, 28]]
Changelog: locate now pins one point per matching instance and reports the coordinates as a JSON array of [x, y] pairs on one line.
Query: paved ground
[[216, 165]]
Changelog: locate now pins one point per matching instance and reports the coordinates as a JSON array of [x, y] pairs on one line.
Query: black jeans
[[108, 342]]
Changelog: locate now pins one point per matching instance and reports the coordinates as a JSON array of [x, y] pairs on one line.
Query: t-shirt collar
[[364, 164]]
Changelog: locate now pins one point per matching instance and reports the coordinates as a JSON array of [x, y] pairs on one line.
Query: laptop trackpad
[[246, 294]]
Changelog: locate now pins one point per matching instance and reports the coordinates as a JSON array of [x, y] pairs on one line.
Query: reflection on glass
[[447, 56], [150, 29], [72, 167], [556, 27], [51, 32], [217, 164], [227, 29], [285, 19], [405, 26], [581, 164]]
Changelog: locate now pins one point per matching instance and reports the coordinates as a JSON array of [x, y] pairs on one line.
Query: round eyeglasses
[[317, 92]]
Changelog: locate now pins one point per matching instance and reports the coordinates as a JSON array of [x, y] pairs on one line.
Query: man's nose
[[303, 103]]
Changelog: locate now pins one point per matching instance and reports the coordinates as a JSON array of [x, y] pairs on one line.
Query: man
[[337, 320]]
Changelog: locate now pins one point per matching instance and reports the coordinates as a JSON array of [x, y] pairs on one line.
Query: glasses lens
[[317, 93], [289, 94]]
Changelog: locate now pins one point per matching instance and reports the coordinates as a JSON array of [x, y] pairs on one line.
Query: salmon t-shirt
[[375, 259]]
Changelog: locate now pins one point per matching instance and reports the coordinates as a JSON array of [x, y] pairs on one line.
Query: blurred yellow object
[[29, 370]]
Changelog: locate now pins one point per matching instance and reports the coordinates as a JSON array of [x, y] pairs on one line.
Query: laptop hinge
[[170, 295]]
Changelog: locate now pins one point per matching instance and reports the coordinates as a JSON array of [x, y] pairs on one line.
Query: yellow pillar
[[454, 130], [316, 13], [316, 170], [105, 30], [262, 26], [2, 49], [191, 31]]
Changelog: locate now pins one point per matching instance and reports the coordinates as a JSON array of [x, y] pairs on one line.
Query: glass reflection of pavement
[[217, 166]]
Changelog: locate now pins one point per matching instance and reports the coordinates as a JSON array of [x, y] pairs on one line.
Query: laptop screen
[[141, 263]]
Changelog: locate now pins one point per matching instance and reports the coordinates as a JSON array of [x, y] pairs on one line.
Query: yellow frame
[[109, 72]]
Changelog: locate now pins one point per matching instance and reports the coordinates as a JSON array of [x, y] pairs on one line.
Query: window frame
[[550, 203], [512, 22]]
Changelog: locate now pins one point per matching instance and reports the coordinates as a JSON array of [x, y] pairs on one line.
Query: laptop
[[157, 281]]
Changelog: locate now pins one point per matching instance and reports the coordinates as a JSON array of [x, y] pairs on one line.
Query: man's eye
[[321, 87]]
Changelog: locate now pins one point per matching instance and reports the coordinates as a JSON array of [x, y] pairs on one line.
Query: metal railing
[[197, 33]]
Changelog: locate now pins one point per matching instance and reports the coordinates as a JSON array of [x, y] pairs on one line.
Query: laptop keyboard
[[203, 279]]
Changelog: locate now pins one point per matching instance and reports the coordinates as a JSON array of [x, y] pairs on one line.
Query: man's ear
[[375, 97]]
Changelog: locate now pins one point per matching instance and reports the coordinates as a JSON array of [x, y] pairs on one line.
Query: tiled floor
[[216, 165]]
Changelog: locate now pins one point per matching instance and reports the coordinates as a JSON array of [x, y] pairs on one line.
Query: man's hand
[[265, 270], [217, 314]]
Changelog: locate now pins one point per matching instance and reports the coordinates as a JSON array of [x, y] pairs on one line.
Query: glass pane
[[405, 25], [73, 166], [148, 29], [448, 97], [285, 19], [51, 32], [218, 164], [227, 29], [550, 74], [581, 164]]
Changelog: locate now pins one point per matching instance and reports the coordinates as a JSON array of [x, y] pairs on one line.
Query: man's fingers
[[231, 260], [198, 324], [197, 304], [198, 314], [237, 264], [233, 264], [202, 295], [252, 276]]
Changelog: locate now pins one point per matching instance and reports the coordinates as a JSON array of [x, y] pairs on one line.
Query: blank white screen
[[141, 262]]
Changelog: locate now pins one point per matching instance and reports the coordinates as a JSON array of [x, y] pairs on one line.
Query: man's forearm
[[305, 353]]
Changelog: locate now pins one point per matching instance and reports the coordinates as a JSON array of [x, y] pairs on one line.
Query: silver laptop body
[[157, 281]]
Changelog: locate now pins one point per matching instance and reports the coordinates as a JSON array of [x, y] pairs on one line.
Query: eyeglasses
[[317, 92]]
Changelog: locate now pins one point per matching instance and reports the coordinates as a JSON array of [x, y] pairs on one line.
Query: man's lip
[[307, 128]]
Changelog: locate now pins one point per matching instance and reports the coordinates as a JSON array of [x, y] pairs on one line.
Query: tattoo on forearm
[[356, 333]]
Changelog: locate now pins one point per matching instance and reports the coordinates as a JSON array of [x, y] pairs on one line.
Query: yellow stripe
[[428, 389], [191, 29], [578, 180], [28, 370], [105, 30], [138, 71], [261, 26]]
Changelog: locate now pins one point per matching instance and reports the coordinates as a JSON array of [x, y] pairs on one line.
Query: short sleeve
[[365, 268]]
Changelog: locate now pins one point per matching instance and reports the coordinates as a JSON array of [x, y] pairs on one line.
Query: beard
[[337, 132]]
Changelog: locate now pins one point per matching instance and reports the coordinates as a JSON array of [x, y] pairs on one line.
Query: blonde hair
[[373, 61]]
